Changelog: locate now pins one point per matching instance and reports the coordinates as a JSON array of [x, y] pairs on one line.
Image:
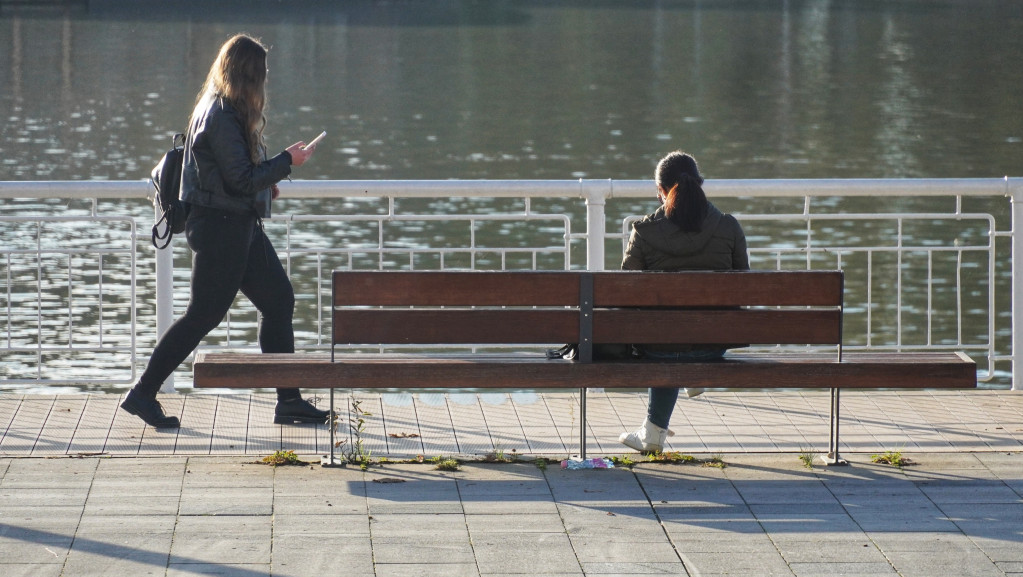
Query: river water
[[412, 89], [529, 89]]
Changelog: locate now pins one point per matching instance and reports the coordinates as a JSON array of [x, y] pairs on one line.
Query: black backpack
[[166, 177]]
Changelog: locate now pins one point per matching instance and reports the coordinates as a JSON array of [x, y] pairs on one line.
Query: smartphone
[[317, 139]]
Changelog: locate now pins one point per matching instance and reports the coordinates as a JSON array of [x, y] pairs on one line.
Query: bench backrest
[[556, 307]]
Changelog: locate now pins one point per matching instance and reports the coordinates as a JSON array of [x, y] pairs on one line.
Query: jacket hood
[[665, 236]]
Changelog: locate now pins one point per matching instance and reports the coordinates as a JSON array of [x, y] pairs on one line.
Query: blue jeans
[[662, 399]]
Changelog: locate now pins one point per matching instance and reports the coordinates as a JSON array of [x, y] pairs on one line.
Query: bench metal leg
[[332, 460], [582, 424], [832, 458]]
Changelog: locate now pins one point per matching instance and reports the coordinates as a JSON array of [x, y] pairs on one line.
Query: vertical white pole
[[596, 197], [1016, 194], [596, 194], [164, 296]]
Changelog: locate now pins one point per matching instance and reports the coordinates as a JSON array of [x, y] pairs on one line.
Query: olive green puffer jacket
[[657, 243]]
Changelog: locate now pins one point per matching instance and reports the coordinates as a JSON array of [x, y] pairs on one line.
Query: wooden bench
[[407, 321]]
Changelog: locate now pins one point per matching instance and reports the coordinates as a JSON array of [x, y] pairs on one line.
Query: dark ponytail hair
[[685, 203]]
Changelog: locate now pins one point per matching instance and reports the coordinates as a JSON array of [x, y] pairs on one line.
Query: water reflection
[[465, 89]]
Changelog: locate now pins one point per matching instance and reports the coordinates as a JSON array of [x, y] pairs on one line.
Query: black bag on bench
[[601, 352]]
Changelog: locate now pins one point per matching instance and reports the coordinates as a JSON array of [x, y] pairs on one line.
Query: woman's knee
[[279, 308]]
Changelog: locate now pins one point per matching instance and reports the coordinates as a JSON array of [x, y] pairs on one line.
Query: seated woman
[[686, 232]]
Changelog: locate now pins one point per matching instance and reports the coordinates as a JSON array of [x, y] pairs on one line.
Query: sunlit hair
[[685, 203], [238, 75]]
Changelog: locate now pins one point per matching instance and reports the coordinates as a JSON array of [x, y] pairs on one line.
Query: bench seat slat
[[528, 371], [752, 326]]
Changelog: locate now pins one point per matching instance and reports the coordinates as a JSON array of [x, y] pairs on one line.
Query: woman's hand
[[299, 153], [274, 192]]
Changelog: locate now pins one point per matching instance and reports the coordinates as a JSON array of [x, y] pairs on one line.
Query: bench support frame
[[833, 458]]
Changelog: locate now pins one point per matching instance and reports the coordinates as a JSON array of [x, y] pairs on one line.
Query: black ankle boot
[[149, 410], [298, 410]]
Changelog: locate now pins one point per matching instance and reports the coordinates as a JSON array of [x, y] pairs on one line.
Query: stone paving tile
[[30, 569], [441, 549], [853, 551], [514, 522], [120, 554], [430, 570], [920, 541], [144, 505], [909, 518], [730, 564], [226, 501], [528, 553], [511, 506], [845, 569], [323, 527], [503, 574], [219, 569], [622, 548], [49, 473], [317, 556], [325, 505], [738, 544], [943, 563], [1002, 545], [227, 472], [222, 548]]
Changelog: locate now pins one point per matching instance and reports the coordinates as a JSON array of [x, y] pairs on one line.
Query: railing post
[[164, 295], [1015, 192], [596, 199]]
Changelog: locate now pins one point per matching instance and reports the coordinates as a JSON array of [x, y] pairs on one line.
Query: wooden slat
[[449, 288], [799, 371], [749, 371], [453, 326], [718, 289], [752, 326]]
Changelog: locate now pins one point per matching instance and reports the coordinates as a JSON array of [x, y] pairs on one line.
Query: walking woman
[[686, 232], [229, 183]]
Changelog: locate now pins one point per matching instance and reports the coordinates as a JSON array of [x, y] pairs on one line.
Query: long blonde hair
[[238, 75]]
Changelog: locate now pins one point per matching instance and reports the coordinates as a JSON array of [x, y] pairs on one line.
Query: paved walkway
[[190, 504], [546, 424]]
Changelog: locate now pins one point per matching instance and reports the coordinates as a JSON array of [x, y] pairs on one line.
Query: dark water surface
[[411, 89]]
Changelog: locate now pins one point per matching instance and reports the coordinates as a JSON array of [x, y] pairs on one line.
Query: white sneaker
[[693, 392], [649, 438]]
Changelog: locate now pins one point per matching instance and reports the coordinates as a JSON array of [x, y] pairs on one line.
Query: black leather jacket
[[218, 171]]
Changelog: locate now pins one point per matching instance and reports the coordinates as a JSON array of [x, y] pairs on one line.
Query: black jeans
[[231, 253]]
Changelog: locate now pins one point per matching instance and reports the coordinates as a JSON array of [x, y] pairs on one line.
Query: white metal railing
[[898, 278]]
